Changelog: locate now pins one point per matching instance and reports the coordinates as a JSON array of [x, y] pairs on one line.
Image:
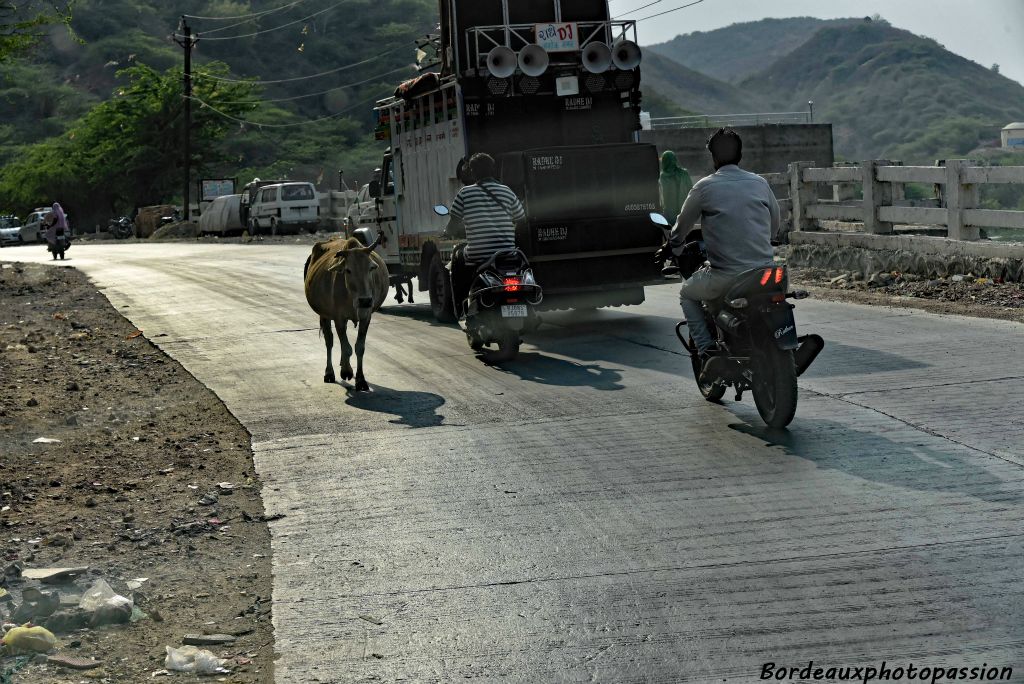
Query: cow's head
[[356, 266]]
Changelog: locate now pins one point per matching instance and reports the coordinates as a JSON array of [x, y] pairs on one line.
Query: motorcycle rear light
[[778, 299], [512, 284], [780, 273], [766, 276]]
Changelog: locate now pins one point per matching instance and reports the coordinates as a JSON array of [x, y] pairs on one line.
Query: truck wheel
[[441, 299]]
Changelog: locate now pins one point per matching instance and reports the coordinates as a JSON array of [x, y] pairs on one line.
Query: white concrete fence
[[884, 204]]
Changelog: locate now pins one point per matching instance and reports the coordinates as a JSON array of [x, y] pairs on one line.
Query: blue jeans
[[704, 285]]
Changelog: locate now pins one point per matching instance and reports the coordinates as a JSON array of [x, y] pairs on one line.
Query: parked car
[[34, 230], [284, 208], [10, 230]]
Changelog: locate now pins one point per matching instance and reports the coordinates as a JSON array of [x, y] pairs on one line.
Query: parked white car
[[10, 230], [33, 230], [285, 208]]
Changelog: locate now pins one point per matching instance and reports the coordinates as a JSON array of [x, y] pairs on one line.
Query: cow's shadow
[[415, 409]]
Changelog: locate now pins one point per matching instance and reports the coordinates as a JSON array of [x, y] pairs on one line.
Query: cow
[[345, 281]]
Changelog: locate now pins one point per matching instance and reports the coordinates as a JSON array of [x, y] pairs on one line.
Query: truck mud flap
[[810, 347]]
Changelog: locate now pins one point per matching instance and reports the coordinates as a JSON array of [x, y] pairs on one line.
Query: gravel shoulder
[[151, 478]]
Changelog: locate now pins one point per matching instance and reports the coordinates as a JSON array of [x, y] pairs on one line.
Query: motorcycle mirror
[[659, 219], [441, 210]]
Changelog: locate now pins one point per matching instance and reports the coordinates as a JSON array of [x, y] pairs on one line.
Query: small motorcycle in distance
[[121, 228], [501, 303], [60, 245], [759, 349]]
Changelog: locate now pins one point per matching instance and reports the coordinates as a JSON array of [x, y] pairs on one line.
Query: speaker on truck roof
[[626, 55], [501, 62], [533, 60], [597, 57]]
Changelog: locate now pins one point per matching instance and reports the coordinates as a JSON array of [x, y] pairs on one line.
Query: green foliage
[[735, 52], [22, 24], [125, 151], [692, 91]]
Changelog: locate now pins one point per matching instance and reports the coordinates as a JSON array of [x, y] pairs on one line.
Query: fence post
[[802, 194], [958, 198], [876, 195]]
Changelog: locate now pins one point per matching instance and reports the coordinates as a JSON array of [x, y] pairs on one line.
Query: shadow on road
[[415, 409], [547, 370], [844, 359], [876, 458], [415, 312]]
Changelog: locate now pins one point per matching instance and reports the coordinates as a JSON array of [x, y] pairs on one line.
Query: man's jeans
[[704, 285]]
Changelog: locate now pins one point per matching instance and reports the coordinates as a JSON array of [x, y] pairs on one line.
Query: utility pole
[[187, 41]]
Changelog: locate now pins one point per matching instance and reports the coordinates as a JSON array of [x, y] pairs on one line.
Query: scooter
[[60, 245], [501, 303], [121, 228], [759, 349]]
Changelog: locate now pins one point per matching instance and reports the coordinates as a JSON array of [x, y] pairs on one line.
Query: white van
[[285, 207]]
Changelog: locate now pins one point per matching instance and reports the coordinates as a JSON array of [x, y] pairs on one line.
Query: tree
[[125, 152], [22, 23], [995, 68]]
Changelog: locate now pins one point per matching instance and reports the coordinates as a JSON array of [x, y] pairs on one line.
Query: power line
[[245, 16], [322, 92], [276, 28], [675, 9], [287, 125], [247, 20], [345, 67], [638, 8]]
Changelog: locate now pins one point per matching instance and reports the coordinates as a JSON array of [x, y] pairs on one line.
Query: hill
[[892, 94], [693, 91], [735, 52]]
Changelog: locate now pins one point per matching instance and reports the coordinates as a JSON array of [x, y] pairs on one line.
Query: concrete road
[[583, 514]]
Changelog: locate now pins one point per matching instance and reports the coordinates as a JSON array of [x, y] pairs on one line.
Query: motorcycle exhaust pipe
[[807, 352]]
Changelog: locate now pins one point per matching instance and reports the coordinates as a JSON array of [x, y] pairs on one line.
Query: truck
[[551, 90]]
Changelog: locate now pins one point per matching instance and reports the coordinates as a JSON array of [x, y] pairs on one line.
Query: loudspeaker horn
[[533, 60], [597, 57], [501, 62], [626, 55]]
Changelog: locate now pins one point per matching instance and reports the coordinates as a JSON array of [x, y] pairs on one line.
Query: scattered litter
[[226, 486], [73, 662], [161, 673], [192, 659], [207, 639], [136, 583], [60, 316], [372, 620], [133, 335], [53, 575], [30, 640], [45, 440], [107, 606]]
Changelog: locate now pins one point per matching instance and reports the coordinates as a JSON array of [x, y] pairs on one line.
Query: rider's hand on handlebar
[[663, 254]]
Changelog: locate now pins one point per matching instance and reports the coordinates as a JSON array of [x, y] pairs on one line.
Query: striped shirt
[[489, 228]]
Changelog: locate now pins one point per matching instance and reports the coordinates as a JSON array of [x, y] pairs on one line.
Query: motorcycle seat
[[758, 282], [508, 260]]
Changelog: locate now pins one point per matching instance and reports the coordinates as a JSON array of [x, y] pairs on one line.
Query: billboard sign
[[212, 188]]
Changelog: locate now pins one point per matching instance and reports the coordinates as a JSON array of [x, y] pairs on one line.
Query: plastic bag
[[30, 640], [107, 606], [192, 659]]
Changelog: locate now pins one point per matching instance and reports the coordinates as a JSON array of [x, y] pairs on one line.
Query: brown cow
[[345, 281]]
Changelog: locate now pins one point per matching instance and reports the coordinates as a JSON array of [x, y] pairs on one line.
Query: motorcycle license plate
[[513, 311]]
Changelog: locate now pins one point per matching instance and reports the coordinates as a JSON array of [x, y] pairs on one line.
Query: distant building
[[1013, 136]]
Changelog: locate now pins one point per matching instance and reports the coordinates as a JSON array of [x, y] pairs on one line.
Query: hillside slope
[[694, 91], [890, 93], [735, 52]]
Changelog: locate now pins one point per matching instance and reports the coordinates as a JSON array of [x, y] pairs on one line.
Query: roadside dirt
[[962, 296], [152, 478]]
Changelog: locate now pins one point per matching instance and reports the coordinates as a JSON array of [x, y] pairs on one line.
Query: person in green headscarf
[[675, 185]]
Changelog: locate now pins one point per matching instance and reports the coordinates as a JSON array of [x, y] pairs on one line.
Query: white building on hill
[[1013, 136]]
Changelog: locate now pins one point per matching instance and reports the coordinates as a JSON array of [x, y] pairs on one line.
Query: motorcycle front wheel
[[440, 290], [774, 387]]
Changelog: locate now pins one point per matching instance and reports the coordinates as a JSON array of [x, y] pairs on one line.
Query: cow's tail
[[305, 269]]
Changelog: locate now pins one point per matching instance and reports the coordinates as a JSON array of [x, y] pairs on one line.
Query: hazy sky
[[986, 31]]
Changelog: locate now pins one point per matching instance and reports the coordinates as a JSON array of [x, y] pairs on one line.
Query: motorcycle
[[759, 350], [61, 244], [501, 302], [121, 228]]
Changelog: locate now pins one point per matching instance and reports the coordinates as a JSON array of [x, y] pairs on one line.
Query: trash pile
[[42, 609]]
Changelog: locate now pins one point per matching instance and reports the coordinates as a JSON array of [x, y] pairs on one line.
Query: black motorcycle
[[121, 228], [759, 349], [501, 303]]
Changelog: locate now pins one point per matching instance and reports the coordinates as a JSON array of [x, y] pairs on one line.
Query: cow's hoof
[[329, 379], [362, 385], [346, 374]]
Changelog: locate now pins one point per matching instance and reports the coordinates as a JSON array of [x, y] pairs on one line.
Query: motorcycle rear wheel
[[774, 387], [508, 346], [713, 391]]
